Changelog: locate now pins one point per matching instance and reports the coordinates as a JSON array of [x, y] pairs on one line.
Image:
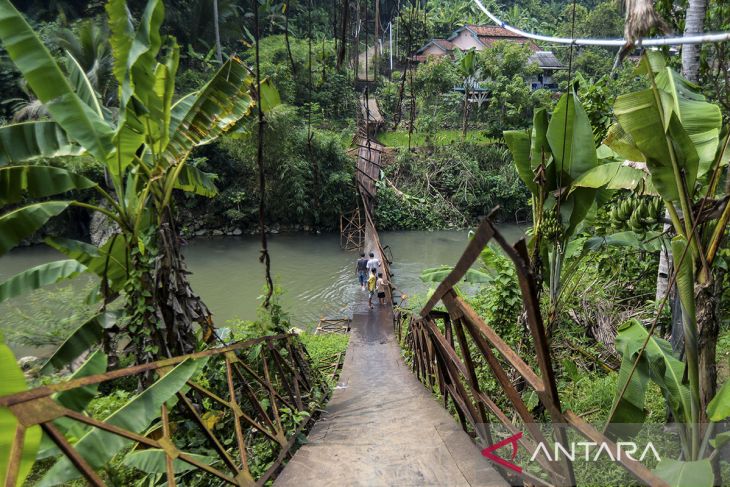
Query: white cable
[[657, 41]]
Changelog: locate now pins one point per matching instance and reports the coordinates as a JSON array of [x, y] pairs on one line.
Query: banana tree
[[550, 158], [656, 362], [144, 148], [672, 131]]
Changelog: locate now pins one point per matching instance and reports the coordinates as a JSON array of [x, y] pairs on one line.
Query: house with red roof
[[481, 37]]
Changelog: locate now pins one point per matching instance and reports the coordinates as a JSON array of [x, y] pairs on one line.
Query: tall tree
[[216, 29], [342, 48], [694, 24]]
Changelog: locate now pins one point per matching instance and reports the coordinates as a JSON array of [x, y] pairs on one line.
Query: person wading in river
[[372, 284], [373, 264], [362, 270]]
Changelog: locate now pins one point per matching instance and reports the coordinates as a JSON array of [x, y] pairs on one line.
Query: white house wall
[[466, 41], [433, 51]]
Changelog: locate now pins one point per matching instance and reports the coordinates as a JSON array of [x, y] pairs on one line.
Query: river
[[316, 276]]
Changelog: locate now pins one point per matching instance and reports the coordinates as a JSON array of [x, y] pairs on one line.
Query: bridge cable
[[264, 258], [712, 37]]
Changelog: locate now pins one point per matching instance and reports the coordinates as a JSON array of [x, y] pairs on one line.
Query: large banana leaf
[[98, 447], [270, 98], [570, 136], [164, 89], [540, 149], [678, 473], [641, 117], [82, 85], [651, 241], [438, 274], [47, 81], [518, 142], [611, 175], [23, 222], [110, 261], [12, 380], [658, 364], [719, 407], [82, 339], [135, 54], [222, 102], [193, 180], [23, 142], [38, 277], [76, 400], [701, 120], [622, 144], [37, 182], [153, 461]]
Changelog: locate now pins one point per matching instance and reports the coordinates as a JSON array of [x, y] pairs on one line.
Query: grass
[[323, 349], [399, 138]]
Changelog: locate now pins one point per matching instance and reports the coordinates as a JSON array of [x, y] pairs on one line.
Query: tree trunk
[[397, 116], [216, 28], [376, 39], [466, 113], [286, 40], [343, 33], [180, 308], [694, 24], [144, 329], [708, 328]]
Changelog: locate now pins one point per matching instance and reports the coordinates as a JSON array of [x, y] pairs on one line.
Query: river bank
[[317, 277]]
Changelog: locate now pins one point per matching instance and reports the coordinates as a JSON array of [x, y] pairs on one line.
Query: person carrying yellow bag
[[372, 284]]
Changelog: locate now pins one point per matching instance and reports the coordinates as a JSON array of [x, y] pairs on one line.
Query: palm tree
[[694, 24]]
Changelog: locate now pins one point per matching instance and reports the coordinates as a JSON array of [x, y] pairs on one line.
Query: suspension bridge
[[381, 425]]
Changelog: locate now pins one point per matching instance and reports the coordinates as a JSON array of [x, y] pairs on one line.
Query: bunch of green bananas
[[637, 213], [550, 226]]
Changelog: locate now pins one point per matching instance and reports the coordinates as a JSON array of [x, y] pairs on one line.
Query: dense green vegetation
[[130, 124], [595, 222]]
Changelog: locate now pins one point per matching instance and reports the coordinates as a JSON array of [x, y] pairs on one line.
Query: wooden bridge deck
[[382, 427]]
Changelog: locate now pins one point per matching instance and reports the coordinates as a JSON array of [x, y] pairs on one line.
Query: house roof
[[546, 59], [442, 44], [489, 34], [490, 31]]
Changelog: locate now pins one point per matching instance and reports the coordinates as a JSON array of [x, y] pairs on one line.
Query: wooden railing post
[[451, 366]]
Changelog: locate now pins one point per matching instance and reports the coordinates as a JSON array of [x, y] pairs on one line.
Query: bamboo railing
[[438, 364], [246, 387]]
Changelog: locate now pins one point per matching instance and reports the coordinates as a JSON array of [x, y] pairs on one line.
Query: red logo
[[487, 452]]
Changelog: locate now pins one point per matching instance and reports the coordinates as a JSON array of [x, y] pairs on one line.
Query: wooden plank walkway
[[368, 166], [382, 427]]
